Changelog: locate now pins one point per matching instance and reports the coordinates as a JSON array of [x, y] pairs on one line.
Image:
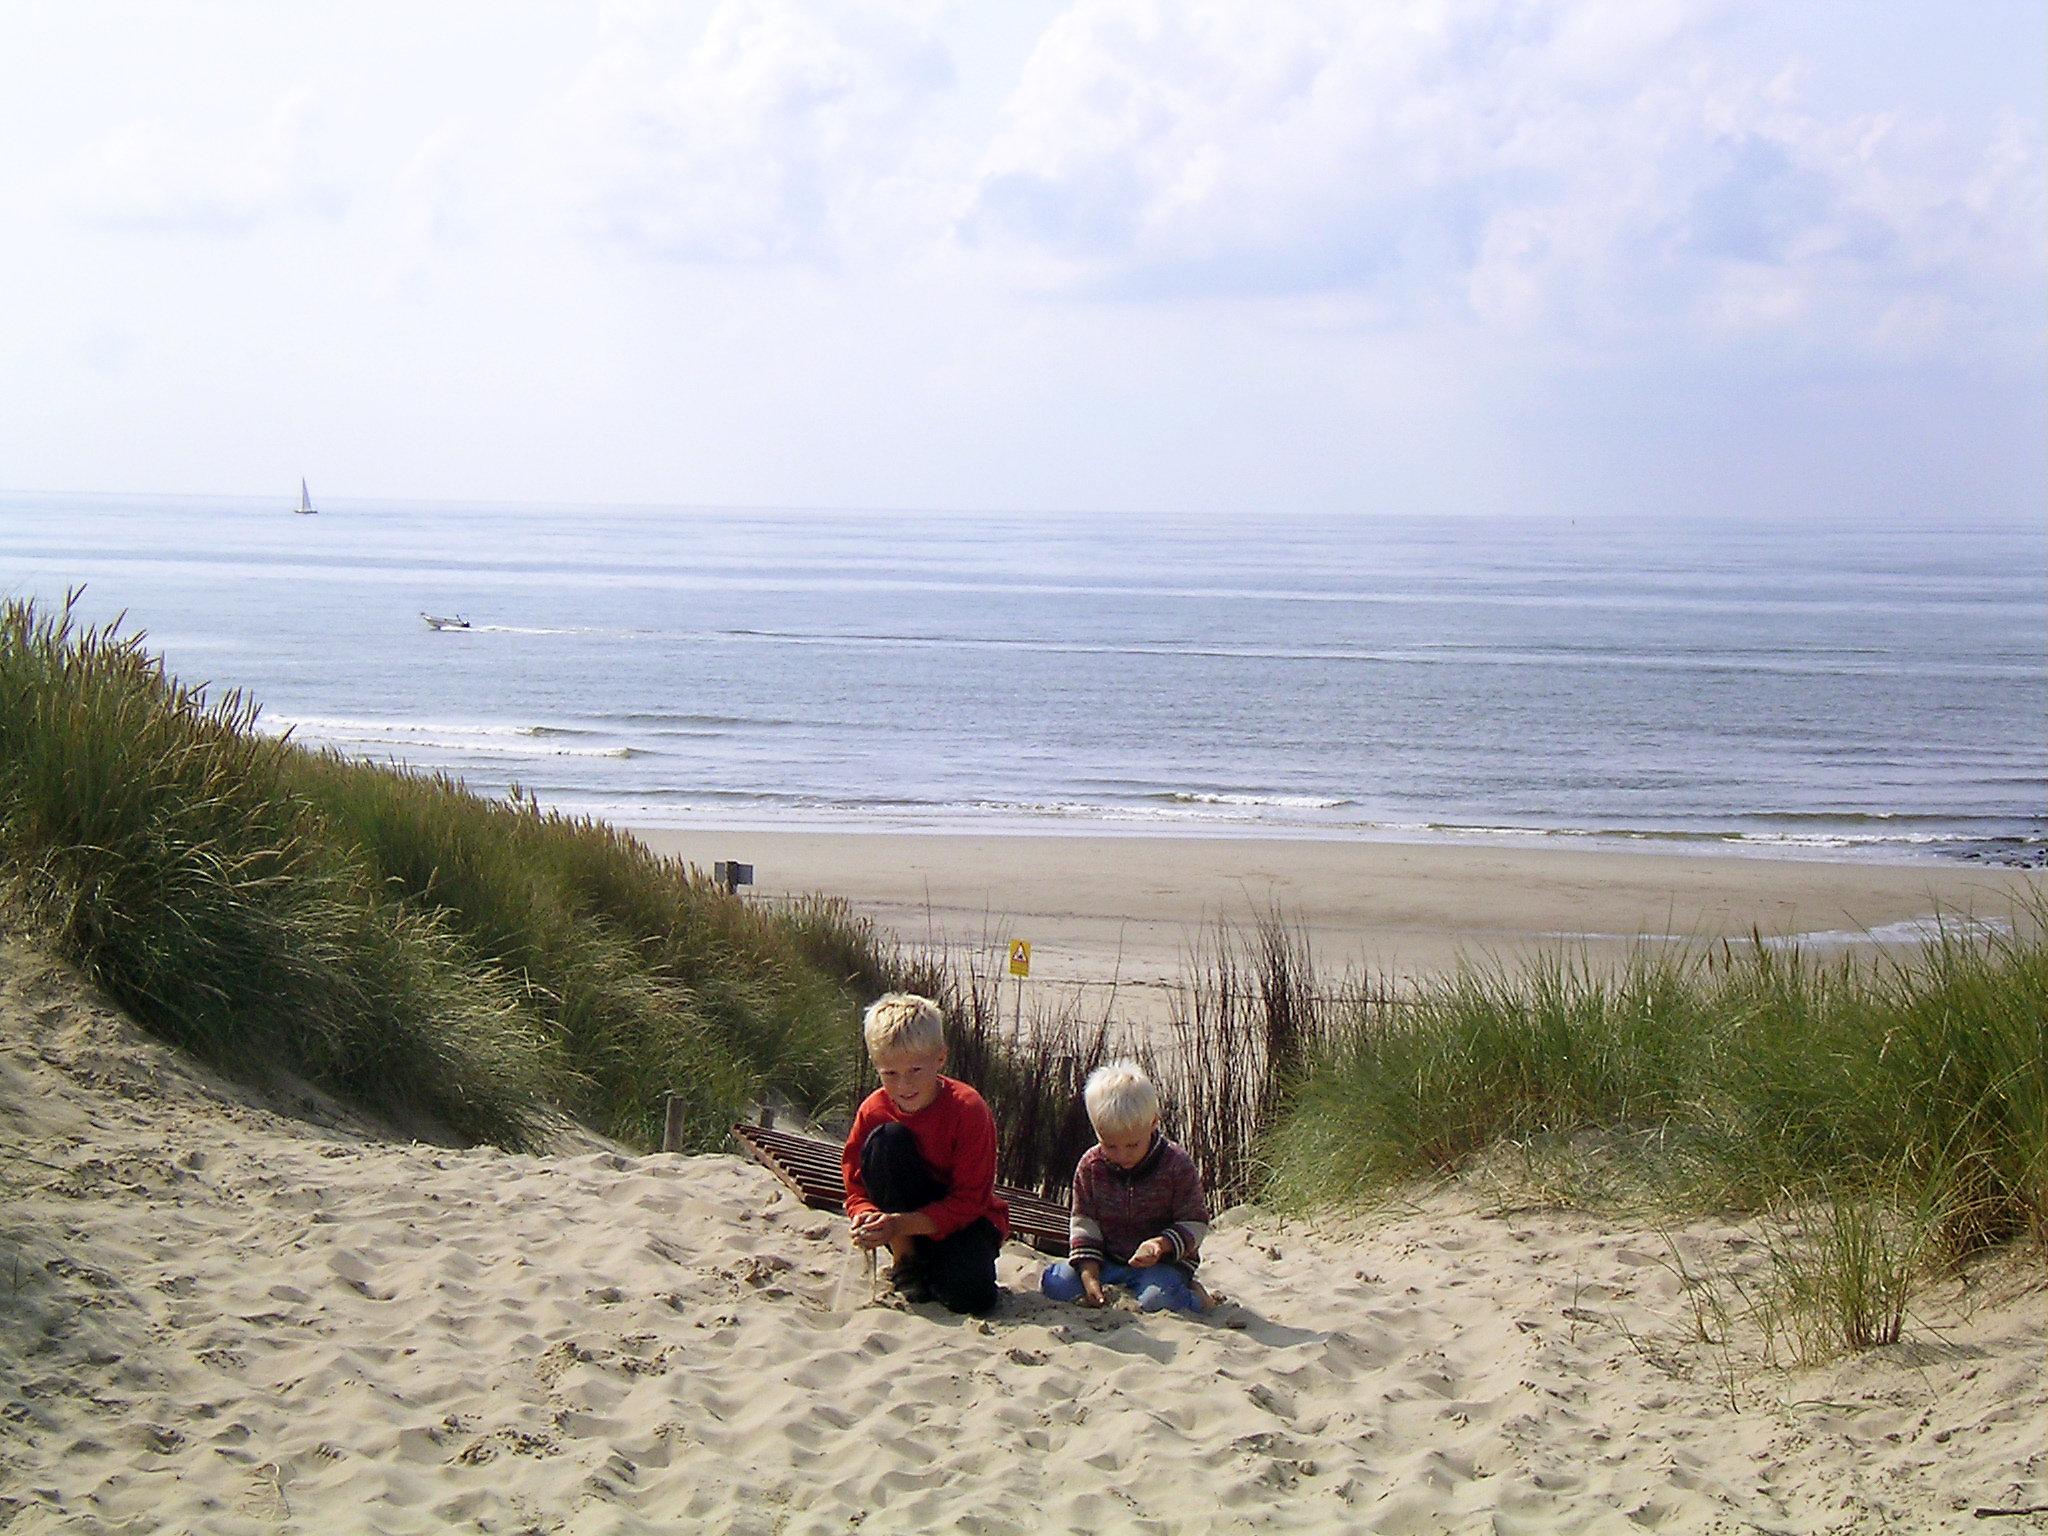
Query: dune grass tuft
[[1884, 1116], [651, 978], [390, 936], [155, 838]]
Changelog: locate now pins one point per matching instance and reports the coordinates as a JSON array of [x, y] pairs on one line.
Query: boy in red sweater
[[920, 1164]]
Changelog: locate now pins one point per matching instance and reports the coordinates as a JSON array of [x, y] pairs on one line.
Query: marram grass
[[392, 937], [1897, 1108], [653, 979]]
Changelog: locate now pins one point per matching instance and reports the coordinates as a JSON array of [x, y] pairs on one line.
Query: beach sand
[[230, 1311], [1128, 909]]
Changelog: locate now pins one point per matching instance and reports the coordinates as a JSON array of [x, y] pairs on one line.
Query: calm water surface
[[1837, 687]]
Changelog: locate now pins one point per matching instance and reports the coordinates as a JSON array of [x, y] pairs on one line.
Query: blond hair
[[1120, 1098], [903, 1024]]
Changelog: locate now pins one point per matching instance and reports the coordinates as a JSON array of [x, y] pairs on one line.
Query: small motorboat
[[440, 621]]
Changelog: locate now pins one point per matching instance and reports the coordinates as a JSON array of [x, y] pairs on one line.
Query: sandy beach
[[1099, 909], [236, 1312]]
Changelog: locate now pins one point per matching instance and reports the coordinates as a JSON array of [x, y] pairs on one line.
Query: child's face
[[910, 1078], [1127, 1149]]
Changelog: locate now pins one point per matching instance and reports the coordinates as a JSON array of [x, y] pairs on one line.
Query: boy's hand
[[880, 1229], [1091, 1288], [874, 1229], [1151, 1252]]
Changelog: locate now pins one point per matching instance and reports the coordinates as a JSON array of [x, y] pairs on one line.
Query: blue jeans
[[1161, 1287]]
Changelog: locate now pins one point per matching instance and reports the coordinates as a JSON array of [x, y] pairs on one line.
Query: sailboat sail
[[305, 505]]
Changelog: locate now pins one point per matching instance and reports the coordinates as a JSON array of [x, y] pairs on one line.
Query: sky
[[1637, 257]]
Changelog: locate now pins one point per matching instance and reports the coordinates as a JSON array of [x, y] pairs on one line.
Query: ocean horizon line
[[2018, 518]]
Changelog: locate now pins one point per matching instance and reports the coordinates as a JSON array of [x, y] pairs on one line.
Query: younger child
[[1139, 1214], [920, 1164]]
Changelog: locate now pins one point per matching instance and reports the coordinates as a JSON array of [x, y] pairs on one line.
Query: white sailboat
[[305, 508]]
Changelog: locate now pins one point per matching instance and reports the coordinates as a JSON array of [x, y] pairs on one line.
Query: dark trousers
[[960, 1269]]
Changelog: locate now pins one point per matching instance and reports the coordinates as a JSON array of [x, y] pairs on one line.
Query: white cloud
[[1591, 166], [435, 192], [757, 139], [183, 175], [1066, 252], [439, 207]]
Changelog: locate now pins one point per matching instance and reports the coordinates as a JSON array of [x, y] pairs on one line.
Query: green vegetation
[[392, 937], [1880, 1118], [646, 977], [1755, 1075]]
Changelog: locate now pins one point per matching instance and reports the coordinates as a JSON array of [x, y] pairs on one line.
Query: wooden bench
[[810, 1167]]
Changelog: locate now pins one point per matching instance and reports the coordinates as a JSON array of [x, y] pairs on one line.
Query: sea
[[1843, 686]]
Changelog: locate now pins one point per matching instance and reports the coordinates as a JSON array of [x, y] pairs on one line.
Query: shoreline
[[1124, 911], [1957, 848]]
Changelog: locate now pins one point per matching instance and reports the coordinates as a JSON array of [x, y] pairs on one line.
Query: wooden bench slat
[[810, 1168]]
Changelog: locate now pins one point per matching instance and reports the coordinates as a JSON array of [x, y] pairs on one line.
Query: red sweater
[[957, 1136]]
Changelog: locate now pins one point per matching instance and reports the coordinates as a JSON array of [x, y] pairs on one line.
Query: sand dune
[[230, 1312]]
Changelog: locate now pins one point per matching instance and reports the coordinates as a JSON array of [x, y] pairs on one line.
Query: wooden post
[[672, 1123]]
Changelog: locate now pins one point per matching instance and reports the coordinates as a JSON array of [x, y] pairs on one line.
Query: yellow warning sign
[[1020, 957]]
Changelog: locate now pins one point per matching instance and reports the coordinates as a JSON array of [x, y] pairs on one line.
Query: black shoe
[[906, 1279]]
